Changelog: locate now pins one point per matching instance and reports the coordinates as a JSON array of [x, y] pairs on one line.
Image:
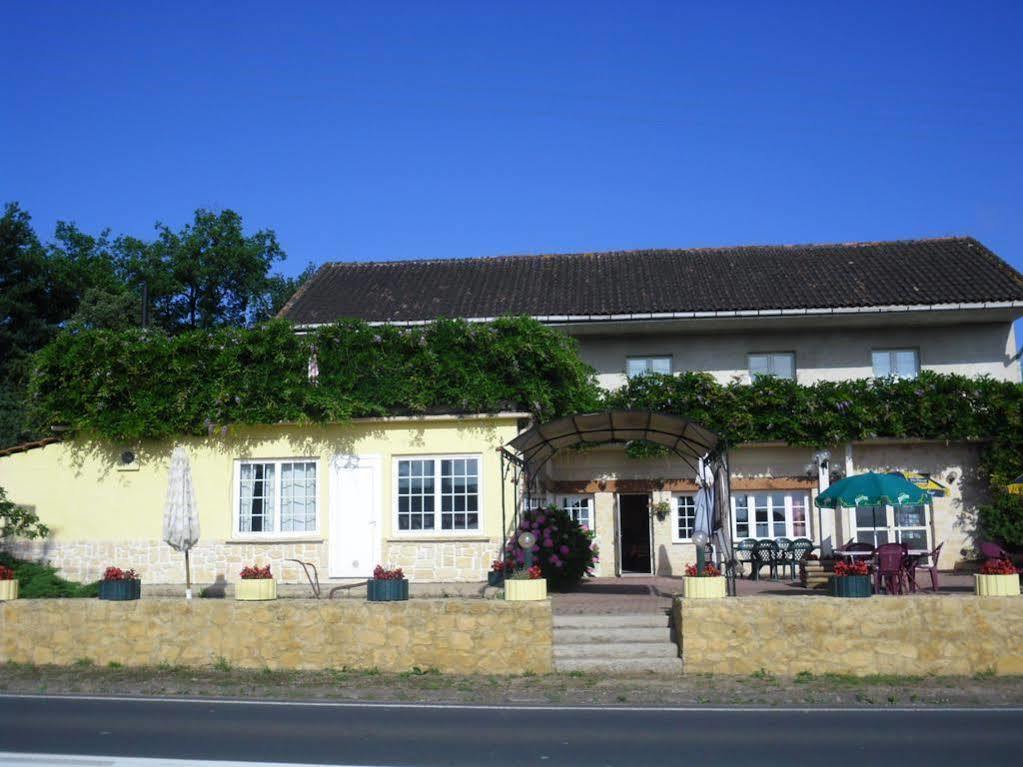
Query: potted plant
[[997, 578], [661, 510], [851, 580], [525, 585], [387, 585], [496, 575], [8, 584], [710, 584], [257, 584], [120, 585]]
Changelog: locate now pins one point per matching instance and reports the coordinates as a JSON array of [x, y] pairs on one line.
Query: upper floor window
[[896, 363], [276, 497], [447, 488], [778, 364], [637, 366]]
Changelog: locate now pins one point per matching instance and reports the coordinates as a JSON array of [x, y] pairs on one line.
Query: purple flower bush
[[564, 550]]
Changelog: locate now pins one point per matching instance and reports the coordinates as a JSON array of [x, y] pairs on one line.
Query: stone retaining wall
[[452, 636], [879, 635]]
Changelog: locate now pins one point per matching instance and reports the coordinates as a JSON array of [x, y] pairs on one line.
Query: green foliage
[[39, 581], [139, 384], [932, 406], [564, 551], [1002, 519], [19, 521]]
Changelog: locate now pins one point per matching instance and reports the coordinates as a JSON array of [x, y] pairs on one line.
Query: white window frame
[[891, 352], [770, 364], [564, 502], [648, 359], [438, 531], [236, 532], [888, 523], [790, 495], [676, 516]]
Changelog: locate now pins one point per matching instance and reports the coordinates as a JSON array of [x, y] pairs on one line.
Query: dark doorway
[[634, 524]]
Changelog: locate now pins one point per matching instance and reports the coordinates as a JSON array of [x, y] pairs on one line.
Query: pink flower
[[564, 550]]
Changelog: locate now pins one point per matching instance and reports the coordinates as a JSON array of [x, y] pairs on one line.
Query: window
[[685, 516], [438, 494], [896, 363], [893, 524], [580, 508], [276, 497], [637, 366], [770, 515], [777, 364]]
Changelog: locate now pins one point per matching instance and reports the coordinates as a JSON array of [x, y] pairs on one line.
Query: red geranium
[[380, 574], [6, 573], [535, 573], [117, 574], [709, 571], [255, 573], [998, 567], [844, 569], [499, 566]]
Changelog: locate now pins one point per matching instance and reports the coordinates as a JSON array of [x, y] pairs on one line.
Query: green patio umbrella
[[871, 489]]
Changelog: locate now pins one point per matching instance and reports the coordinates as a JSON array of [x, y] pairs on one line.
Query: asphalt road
[[434, 735]]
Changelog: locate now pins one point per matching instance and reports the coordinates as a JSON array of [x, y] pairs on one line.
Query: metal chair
[[992, 551], [800, 548], [890, 560], [931, 566], [744, 554], [765, 553]]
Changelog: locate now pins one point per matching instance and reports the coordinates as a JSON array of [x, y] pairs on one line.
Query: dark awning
[[688, 440]]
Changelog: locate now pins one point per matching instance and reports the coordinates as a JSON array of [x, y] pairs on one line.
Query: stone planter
[[713, 587], [851, 586], [386, 591], [8, 590], [255, 589], [525, 590], [997, 585], [495, 579], [120, 591]]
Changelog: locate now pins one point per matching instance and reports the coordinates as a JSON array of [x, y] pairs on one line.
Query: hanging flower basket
[[710, 584], [387, 585], [120, 585], [997, 579], [851, 581], [8, 584], [257, 584]]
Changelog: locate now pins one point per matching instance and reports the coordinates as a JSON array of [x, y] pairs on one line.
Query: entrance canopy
[[689, 441]]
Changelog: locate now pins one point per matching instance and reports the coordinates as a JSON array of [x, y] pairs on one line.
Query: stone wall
[[452, 636], [458, 560], [878, 635]]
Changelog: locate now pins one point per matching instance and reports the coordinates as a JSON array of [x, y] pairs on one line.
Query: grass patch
[[84, 663], [38, 581], [114, 664], [222, 664]]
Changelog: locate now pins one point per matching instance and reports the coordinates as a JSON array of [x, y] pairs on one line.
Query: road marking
[[475, 707], [75, 760]]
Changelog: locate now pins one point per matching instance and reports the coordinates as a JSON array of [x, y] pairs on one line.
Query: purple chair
[[992, 551], [890, 559], [931, 565]]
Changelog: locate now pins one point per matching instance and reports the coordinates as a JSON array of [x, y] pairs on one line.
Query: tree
[[19, 521], [277, 292]]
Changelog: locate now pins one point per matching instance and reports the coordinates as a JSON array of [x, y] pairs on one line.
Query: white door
[[354, 515]]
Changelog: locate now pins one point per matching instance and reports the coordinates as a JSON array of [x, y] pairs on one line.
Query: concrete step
[[610, 635], [620, 665], [662, 649], [614, 620]]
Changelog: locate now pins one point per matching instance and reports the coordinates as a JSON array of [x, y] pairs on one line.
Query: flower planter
[[255, 589], [704, 587], [8, 590], [120, 591], [851, 586], [997, 585], [495, 579], [525, 590], [386, 590]]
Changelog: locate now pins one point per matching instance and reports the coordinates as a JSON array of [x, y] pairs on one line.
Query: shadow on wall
[[663, 561], [973, 493]]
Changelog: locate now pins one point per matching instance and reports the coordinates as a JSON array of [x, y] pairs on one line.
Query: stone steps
[[615, 643]]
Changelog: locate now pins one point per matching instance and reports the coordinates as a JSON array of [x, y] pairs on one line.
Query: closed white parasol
[[180, 515]]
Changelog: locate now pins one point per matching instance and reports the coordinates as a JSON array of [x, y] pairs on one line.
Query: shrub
[[1002, 519], [18, 521], [38, 581], [564, 551]]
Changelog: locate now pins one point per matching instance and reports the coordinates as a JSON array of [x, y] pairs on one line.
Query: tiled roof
[[908, 272]]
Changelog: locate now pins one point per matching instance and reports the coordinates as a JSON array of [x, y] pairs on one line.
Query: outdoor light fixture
[[526, 542], [700, 540]]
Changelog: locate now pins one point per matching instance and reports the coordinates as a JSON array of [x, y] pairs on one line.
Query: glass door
[[910, 525]]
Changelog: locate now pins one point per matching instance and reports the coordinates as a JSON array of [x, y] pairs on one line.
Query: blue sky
[[373, 131]]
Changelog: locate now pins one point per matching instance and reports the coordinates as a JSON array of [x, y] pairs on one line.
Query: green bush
[[1002, 519], [564, 551], [38, 581]]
